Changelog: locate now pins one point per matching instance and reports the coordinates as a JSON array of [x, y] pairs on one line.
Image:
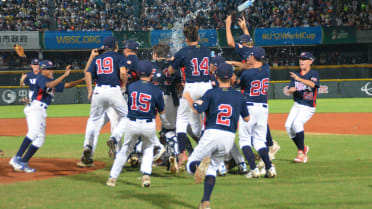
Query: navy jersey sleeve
[[60, 87], [315, 78], [122, 62], [204, 106], [244, 110], [92, 68], [292, 83], [178, 58], [160, 104]]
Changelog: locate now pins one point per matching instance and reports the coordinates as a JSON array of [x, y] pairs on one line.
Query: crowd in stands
[[136, 15]]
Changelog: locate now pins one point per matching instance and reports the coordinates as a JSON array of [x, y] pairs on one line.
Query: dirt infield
[[330, 123], [46, 168]]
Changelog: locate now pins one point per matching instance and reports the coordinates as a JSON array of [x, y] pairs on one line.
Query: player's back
[[225, 106], [163, 78], [255, 83], [196, 61], [144, 98], [105, 68]]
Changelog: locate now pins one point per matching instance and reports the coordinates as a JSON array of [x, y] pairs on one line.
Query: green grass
[[338, 174], [276, 106]]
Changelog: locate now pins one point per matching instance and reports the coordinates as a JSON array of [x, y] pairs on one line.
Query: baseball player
[[245, 44], [45, 88], [235, 152], [254, 84], [168, 84], [144, 99], [130, 53], [223, 106], [109, 71], [195, 59], [30, 79], [303, 86]]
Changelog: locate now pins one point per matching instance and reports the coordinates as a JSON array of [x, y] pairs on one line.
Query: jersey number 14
[[204, 66]]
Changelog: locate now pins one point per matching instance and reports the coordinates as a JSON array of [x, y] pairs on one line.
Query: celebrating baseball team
[[194, 92]]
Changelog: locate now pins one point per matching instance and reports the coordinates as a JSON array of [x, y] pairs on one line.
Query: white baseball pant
[[145, 129], [297, 118], [214, 143], [36, 122]]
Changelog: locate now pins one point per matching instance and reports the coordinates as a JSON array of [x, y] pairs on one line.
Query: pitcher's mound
[[45, 168]]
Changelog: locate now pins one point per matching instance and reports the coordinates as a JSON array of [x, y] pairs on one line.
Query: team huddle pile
[[195, 85]]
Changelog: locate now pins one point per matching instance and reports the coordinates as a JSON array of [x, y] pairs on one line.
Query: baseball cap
[[246, 52], [144, 68], [224, 70], [306, 56], [244, 38], [109, 42], [35, 61], [217, 60], [130, 44], [258, 52], [47, 64]]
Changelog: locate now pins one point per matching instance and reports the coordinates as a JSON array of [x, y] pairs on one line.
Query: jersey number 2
[[259, 87], [144, 102], [224, 114], [204, 66], [105, 66]]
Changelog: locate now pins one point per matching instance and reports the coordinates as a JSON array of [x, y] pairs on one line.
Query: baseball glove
[[20, 51]]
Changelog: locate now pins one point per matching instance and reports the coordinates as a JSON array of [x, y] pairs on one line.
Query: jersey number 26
[[259, 87]]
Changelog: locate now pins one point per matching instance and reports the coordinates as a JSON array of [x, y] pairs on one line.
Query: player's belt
[[134, 119], [41, 104], [198, 81], [110, 85], [252, 104]]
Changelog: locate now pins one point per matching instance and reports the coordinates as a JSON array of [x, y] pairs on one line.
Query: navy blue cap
[[244, 38], [217, 60], [224, 70], [144, 68], [258, 52], [306, 55], [47, 64], [130, 44], [35, 61], [246, 52], [109, 42]]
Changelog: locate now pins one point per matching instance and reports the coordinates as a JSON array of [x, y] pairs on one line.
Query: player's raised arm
[[302, 80], [23, 77], [93, 54], [229, 36], [55, 82], [243, 26]]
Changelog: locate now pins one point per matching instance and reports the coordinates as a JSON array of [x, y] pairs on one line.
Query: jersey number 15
[[143, 102]]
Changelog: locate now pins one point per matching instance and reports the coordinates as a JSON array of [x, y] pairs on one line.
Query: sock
[[300, 138], [208, 187], [295, 141], [269, 139], [26, 142], [149, 174], [181, 138], [30, 152], [249, 156], [193, 165], [264, 154], [188, 145]]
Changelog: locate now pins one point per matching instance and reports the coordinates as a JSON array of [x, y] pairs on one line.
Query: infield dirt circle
[[325, 123]]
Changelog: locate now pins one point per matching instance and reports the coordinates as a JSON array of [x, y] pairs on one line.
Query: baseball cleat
[[146, 181], [301, 157], [173, 164], [111, 143], [260, 164], [255, 173], [204, 205], [25, 168], [201, 170], [86, 154], [86, 164], [273, 150], [306, 149], [111, 182], [242, 168], [15, 163], [222, 170], [182, 160], [271, 172], [133, 159], [263, 171]]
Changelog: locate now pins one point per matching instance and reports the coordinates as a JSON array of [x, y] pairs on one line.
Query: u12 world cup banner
[[288, 36]]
